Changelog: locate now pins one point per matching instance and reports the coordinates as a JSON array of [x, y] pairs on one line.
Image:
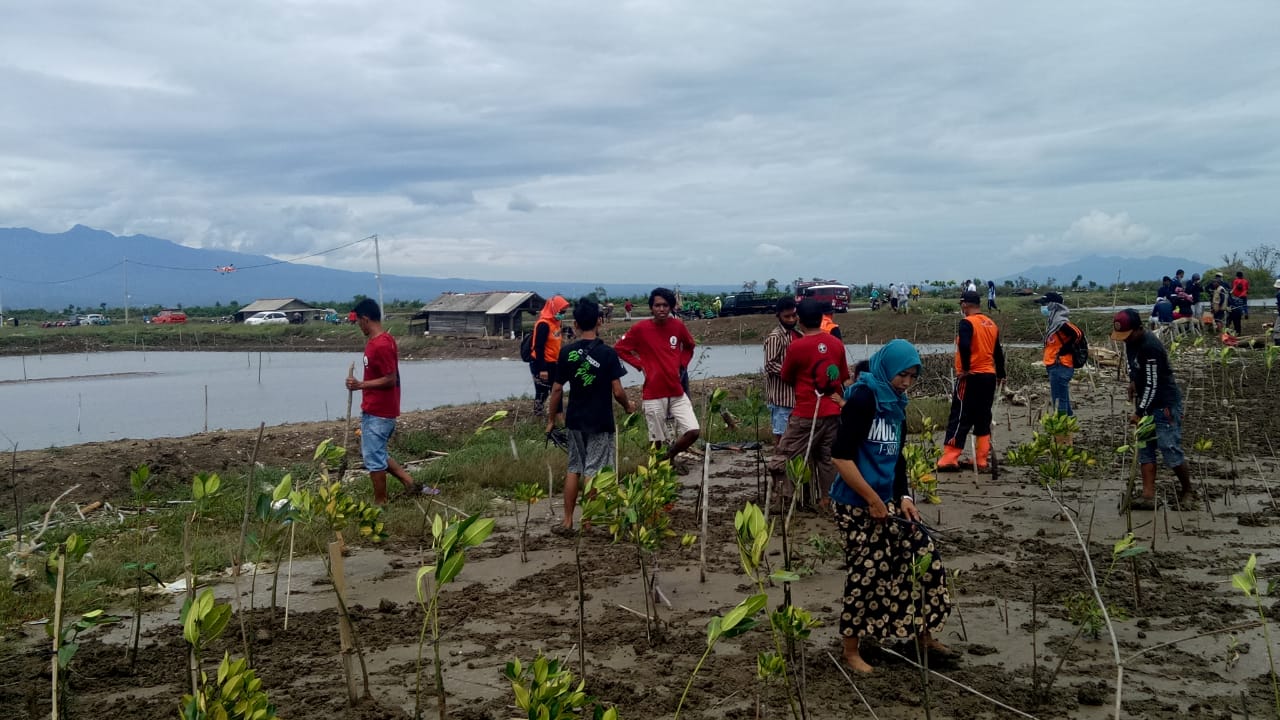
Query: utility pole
[[377, 256], [126, 291]]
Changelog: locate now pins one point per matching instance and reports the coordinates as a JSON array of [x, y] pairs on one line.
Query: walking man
[[979, 369], [379, 401], [594, 375], [661, 347], [778, 394], [1154, 393], [627, 308], [546, 349], [1060, 341], [815, 366]]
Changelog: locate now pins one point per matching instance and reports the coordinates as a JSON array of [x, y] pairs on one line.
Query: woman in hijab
[[883, 535]]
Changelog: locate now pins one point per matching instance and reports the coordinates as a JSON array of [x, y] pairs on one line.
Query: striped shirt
[[776, 390]]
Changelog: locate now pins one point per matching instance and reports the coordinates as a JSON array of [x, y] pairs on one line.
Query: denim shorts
[[1168, 439], [375, 432], [778, 418]]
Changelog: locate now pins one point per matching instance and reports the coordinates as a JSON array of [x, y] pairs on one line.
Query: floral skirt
[[883, 590]]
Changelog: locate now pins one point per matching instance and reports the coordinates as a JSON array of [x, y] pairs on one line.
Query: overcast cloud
[[650, 141]]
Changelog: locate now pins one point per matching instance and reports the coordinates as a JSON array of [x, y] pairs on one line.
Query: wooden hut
[[488, 314], [293, 307]]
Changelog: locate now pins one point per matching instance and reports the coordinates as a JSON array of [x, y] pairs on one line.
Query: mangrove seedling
[[922, 459], [139, 484], [598, 495], [331, 507], [204, 488], [527, 493], [450, 540], [237, 694], [1085, 612], [734, 623], [704, 490], [69, 551], [1247, 582], [545, 690], [640, 514]]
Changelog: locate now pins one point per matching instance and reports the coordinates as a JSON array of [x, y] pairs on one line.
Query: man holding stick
[[379, 401]]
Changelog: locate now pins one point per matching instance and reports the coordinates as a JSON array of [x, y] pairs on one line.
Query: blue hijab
[[895, 357]]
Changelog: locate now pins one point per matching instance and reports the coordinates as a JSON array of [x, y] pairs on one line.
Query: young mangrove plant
[[752, 534], [545, 690], [66, 553], [237, 693], [527, 493], [1087, 615], [732, 624], [714, 404], [598, 495], [1247, 582], [204, 488], [450, 540], [139, 484], [922, 459], [331, 507], [640, 514]]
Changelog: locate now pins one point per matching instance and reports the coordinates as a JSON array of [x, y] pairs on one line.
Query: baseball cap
[[1124, 323], [1277, 285], [970, 297], [1050, 297]]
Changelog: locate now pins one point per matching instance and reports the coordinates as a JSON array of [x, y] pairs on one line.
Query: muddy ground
[[1016, 559]]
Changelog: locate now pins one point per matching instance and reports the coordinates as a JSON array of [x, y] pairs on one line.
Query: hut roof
[[490, 303]]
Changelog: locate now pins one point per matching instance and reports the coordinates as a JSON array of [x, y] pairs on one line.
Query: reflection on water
[[53, 400]]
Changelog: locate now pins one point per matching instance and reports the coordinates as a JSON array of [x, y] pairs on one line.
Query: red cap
[[1124, 323]]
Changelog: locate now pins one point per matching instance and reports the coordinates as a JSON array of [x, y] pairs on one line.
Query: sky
[[649, 141]]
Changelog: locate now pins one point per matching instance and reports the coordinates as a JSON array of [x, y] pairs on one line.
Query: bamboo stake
[[344, 622], [57, 623]]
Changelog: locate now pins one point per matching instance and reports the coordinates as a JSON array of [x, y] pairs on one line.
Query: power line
[[253, 267], [59, 282]]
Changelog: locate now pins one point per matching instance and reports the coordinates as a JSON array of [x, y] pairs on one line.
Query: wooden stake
[[346, 645]]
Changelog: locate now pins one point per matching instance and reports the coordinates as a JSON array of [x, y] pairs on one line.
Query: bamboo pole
[[346, 644]]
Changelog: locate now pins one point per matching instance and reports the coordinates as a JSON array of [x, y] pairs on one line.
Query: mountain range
[[1105, 270], [85, 267]]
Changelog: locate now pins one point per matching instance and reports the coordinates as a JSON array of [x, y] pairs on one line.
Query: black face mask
[[788, 326]]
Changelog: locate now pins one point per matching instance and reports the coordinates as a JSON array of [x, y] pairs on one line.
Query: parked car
[[96, 319], [165, 317], [267, 317]]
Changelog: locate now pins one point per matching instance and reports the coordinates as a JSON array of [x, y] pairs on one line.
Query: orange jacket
[[1057, 350], [546, 348], [978, 347]]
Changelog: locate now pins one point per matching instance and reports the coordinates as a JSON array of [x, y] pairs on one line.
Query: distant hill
[[85, 267], [1103, 270]]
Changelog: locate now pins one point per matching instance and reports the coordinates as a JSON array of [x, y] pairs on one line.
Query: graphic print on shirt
[[585, 374], [883, 438]]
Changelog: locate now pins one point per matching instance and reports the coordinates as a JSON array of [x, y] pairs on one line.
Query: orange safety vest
[[828, 324], [982, 350]]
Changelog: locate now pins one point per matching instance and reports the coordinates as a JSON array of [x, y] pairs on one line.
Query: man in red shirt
[[815, 366], [660, 347], [379, 401]]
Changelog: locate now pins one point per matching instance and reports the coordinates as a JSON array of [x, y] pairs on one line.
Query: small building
[[288, 306], [487, 314]]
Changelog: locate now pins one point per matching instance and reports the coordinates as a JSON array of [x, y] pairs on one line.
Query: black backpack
[[526, 348], [1079, 349]]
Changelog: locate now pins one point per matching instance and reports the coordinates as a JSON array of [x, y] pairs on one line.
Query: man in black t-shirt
[[593, 373]]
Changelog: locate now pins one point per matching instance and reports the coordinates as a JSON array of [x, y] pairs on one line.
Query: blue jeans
[[778, 418], [1168, 439], [1060, 387], [375, 432]]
